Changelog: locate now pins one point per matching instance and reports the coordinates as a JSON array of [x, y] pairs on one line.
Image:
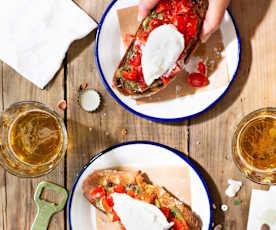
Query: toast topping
[[138, 215], [163, 47]]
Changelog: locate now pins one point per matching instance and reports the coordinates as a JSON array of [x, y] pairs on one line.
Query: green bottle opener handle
[[47, 209]]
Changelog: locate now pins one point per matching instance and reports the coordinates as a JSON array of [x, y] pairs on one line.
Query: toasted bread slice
[[144, 190], [192, 16]]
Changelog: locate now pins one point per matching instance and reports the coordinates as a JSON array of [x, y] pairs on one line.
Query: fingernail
[[205, 38]]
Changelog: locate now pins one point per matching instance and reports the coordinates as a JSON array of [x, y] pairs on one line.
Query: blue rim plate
[[156, 117], [125, 148]]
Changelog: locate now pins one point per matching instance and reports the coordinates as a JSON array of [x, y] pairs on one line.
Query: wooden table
[[206, 139]]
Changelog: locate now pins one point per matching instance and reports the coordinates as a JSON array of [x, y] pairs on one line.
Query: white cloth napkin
[[35, 35], [262, 209]]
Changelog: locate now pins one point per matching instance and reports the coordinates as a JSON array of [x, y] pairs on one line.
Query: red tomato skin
[[105, 205], [180, 225], [130, 76], [115, 217], [119, 189], [166, 212], [143, 36], [135, 60], [131, 193], [163, 5], [154, 23], [98, 192], [197, 80], [122, 227], [165, 80], [201, 68]]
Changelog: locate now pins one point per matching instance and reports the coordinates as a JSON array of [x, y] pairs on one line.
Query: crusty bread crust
[[201, 7]]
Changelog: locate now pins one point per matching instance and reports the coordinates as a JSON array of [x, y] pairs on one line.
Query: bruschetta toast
[[99, 187], [187, 17]]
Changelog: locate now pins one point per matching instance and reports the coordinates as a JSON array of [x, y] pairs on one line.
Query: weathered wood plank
[[3, 191], [20, 206], [253, 88], [94, 132]]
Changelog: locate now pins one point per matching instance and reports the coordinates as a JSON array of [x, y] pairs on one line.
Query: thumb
[[213, 18], [145, 7]]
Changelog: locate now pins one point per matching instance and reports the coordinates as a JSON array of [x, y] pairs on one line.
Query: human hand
[[213, 18], [211, 23]]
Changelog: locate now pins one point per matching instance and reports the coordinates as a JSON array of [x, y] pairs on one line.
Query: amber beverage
[[33, 139], [254, 146]]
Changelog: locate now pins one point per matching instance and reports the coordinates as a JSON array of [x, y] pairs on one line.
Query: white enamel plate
[[108, 56], [81, 214]]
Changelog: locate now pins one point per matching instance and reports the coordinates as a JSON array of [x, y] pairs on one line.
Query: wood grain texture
[[206, 138], [254, 88], [93, 132], [20, 207]]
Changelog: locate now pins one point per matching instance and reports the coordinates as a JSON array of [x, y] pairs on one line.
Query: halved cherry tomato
[[98, 192], [115, 216], [145, 197], [130, 76], [201, 68], [162, 6], [131, 193], [122, 227], [135, 59], [197, 80], [143, 36], [119, 189], [105, 205], [180, 225], [154, 23], [166, 212], [128, 39]]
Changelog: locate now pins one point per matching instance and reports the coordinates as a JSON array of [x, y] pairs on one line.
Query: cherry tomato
[[166, 212], [135, 60], [109, 200], [98, 192], [105, 205], [128, 39], [130, 76], [163, 5], [180, 225], [131, 193], [115, 216], [154, 23], [197, 80], [119, 189], [143, 36], [122, 227], [145, 197], [201, 68]]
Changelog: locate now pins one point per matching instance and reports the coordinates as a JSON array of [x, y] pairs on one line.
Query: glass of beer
[[254, 146], [33, 139]]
